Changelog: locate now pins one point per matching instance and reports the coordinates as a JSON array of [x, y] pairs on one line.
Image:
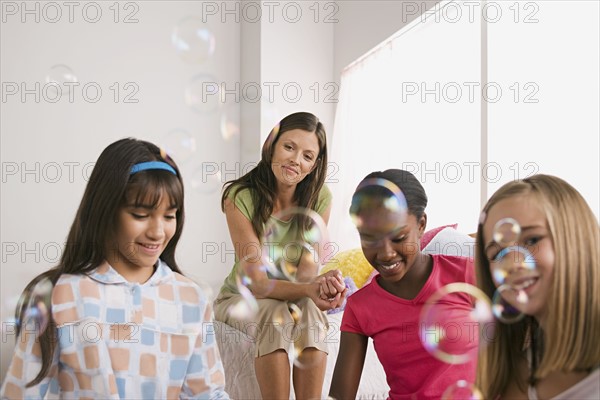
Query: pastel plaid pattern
[[123, 340]]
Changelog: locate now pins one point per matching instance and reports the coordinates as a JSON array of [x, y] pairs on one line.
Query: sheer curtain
[[415, 102], [549, 119], [407, 104]]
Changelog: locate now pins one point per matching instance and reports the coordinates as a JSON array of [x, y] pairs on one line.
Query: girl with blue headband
[[123, 322]]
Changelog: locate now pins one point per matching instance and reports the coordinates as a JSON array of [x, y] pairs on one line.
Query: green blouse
[[287, 231]]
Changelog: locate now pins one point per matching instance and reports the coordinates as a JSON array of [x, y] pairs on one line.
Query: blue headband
[[152, 165]]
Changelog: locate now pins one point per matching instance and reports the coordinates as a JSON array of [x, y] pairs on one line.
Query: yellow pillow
[[352, 263]]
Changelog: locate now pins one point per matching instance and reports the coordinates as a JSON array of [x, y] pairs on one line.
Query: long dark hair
[[261, 179], [109, 187]]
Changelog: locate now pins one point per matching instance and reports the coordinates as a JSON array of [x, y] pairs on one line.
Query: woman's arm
[[348, 366], [247, 247]]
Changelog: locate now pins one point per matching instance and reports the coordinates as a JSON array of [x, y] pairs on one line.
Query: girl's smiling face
[[535, 237], [392, 254], [141, 235]]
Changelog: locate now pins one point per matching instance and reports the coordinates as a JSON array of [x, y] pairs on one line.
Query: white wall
[[363, 24], [58, 142]]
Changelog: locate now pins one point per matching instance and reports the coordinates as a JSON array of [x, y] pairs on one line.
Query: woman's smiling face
[[294, 156]]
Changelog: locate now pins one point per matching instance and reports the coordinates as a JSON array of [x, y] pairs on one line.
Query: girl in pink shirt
[[388, 309]]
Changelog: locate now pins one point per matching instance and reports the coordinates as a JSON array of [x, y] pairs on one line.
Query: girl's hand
[[331, 283], [329, 303]]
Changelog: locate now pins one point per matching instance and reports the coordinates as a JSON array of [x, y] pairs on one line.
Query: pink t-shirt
[[393, 323]]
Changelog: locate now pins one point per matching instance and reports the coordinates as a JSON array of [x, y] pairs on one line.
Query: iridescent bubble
[[379, 208], [35, 307], [296, 236], [292, 255], [202, 94], [179, 145], [506, 232], [296, 312], [9, 323], [206, 179], [272, 136], [247, 307], [514, 266], [504, 304], [58, 75], [300, 357], [453, 322], [229, 128], [462, 390], [194, 43], [257, 266]]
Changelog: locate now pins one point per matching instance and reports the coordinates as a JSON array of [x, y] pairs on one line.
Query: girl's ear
[[422, 224]]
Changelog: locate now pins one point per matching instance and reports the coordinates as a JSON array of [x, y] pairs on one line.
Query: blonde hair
[[573, 320]]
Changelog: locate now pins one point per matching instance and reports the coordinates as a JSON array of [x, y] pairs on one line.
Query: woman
[[291, 174]]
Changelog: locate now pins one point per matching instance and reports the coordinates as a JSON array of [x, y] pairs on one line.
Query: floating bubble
[[202, 94], [194, 43], [462, 390], [229, 128], [453, 322], [257, 266], [296, 236], [35, 307], [247, 307], [514, 266], [206, 179], [302, 357], [9, 323], [270, 140], [504, 304], [506, 232], [58, 75], [378, 208], [179, 145], [296, 312]]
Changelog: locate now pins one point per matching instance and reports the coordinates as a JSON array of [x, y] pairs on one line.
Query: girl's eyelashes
[[399, 239], [137, 215], [532, 241], [527, 243], [376, 241], [494, 257]]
